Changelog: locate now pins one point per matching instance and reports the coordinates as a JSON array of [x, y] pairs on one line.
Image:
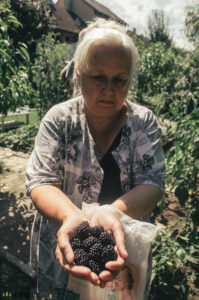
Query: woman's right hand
[[64, 253]]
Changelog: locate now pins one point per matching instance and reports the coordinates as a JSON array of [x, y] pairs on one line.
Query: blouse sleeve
[[148, 160], [45, 165]]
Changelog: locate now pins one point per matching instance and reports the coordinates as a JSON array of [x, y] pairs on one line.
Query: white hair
[[105, 31]]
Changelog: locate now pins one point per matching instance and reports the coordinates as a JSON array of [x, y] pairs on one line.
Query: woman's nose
[[108, 86]]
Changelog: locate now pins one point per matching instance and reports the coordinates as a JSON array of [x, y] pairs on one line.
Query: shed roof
[[104, 10], [64, 20]]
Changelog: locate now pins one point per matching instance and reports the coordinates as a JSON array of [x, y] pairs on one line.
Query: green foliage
[[172, 251], [158, 28], [52, 57], [192, 24], [168, 80], [21, 139], [34, 18], [183, 163], [15, 86], [157, 72]]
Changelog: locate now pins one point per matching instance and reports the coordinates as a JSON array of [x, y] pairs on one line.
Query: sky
[[136, 13]]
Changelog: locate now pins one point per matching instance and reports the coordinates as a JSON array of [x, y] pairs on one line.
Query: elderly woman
[[97, 147]]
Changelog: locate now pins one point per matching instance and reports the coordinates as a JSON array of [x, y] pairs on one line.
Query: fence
[[14, 122]]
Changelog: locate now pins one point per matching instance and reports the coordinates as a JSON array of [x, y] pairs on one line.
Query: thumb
[[65, 247]]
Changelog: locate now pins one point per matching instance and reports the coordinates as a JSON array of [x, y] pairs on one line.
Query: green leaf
[[13, 20], [195, 115], [191, 259], [192, 277], [183, 238], [23, 53], [181, 254]]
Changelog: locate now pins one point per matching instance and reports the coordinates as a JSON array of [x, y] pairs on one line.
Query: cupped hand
[[64, 253], [111, 223]]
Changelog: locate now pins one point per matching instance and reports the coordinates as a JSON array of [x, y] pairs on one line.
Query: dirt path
[[16, 210]]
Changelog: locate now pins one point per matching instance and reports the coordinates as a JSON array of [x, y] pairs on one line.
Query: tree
[[15, 87], [158, 28], [51, 58], [34, 17], [192, 24]]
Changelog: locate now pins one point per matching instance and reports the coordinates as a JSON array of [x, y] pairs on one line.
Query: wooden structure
[[14, 122], [71, 16]]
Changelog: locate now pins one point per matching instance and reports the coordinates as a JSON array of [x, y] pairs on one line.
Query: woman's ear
[[78, 77]]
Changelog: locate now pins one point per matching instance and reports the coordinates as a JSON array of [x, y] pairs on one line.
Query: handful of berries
[[93, 247]]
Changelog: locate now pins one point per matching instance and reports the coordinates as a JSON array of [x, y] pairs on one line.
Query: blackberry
[[81, 257], [93, 247], [95, 252], [108, 253], [83, 230], [106, 239], [88, 242], [94, 266], [96, 231], [75, 243]]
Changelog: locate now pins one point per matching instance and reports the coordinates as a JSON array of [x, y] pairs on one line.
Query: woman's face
[[105, 86]]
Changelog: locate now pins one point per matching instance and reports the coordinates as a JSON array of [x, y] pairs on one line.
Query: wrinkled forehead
[[100, 48], [108, 51]]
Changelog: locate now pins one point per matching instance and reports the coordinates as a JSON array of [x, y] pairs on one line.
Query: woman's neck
[[105, 123], [104, 130]]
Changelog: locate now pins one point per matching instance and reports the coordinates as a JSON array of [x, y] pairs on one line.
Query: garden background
[[31, 58]]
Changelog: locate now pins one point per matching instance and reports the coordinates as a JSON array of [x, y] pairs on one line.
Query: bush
[[15, 86], [52, 57], [21, 139]]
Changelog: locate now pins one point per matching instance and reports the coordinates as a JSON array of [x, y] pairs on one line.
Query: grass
[[33, 118]]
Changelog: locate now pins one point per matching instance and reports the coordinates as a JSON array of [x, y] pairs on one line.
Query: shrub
[[52, 57], [15, 86], [21, 139]]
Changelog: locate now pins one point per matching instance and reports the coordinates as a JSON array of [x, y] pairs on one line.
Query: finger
[[118, 235], [59, 256], [78, 270], [115, 264], [106, 276], [65, 247], [94, 278]]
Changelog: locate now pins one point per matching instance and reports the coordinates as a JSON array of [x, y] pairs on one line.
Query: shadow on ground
[[16, 216]]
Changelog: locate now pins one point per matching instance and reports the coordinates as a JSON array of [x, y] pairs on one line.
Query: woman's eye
[[120, 81], [98, 78]]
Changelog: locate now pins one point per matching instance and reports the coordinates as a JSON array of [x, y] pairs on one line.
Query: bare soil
[[17, 210]]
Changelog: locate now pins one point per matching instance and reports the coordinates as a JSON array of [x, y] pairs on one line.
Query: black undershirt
[[111, 186]]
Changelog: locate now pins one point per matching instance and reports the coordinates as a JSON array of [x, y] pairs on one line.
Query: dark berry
[[95, 251], [108, 253], [96, 231], [81, 257], [83, 230], [75, 243], [88, 242], [106, 239], [94, 266]]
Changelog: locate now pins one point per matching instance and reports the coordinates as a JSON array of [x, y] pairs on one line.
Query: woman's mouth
[[106, 102]]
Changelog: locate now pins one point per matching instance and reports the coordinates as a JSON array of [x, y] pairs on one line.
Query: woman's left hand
[[110, 222]]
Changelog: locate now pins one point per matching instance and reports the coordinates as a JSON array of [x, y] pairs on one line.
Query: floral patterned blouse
[[65, 154]]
